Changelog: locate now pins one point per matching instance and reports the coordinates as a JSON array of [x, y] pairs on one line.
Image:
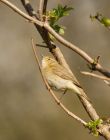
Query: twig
[[44, 46], [17, 10], [99, 19], [98, 76], [45, 6], [95, 75], [106, 82], [52, 93], [42, 8]]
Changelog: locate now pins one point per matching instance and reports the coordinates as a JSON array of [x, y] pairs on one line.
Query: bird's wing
[[65, 74]]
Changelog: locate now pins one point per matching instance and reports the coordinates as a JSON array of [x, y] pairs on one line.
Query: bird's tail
[[75, 89]]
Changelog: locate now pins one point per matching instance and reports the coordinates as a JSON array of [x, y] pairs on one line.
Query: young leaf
[[103, 20], [56, 14], [92, 125]]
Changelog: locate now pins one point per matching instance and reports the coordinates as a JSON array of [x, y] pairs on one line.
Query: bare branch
[[100, 20], [108, 83], [42, 8], [52, 93], [97, 76], [13, 7], [45, 6]]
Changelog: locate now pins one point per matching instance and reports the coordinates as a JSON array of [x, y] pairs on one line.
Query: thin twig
[[95, 75], [105, 79], [17, 10], [106, 82], [52, 93], [44, 46], [98, 18], [40, 10]]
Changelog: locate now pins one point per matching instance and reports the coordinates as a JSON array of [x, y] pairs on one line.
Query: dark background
[[27, 111]]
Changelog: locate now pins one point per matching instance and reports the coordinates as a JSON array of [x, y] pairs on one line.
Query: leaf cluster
[[57, 13], [93, 125]]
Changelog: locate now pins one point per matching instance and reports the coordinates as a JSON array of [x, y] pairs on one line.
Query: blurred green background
[[27, 110]]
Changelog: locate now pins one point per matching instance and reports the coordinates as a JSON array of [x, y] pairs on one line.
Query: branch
[[52, 93], [42, 8], [83, 54], [45, 6], [13, 7], [66, 43], [52, 47], [97, 76], [57, 53], [98, 17]]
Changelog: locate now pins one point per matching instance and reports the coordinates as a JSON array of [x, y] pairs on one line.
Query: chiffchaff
[[59, 77]]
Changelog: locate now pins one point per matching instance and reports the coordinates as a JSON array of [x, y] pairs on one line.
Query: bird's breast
[[57, 82]]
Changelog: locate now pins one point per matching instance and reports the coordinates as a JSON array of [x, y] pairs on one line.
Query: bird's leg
[[63, 94]]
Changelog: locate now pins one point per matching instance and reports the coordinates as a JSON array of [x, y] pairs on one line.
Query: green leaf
[[92, 125], [61, 31], [105, 21], [55, 15], [59, 12]]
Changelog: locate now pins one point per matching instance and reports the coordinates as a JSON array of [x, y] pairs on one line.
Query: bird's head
[[47, 61]]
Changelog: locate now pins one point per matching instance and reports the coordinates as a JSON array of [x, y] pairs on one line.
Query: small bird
[[59, 77]]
